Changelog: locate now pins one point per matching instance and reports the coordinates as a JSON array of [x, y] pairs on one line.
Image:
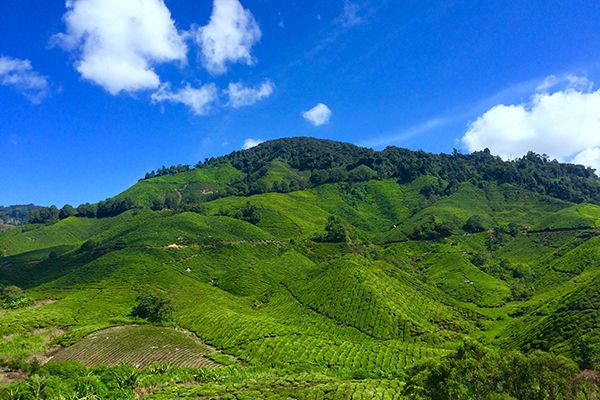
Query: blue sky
[[94, 93]]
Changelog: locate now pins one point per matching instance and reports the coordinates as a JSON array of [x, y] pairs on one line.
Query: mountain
[[16, 215], [316, 269]]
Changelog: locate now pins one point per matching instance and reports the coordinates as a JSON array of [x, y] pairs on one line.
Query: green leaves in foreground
[[477, 373], [13, 297]]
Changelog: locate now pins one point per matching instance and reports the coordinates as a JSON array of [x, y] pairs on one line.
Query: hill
[[16, 215], [314, 269]]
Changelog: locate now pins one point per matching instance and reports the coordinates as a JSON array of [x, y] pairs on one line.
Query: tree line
[[325, 161]]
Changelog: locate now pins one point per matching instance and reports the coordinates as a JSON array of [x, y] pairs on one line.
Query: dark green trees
[[432, 228], [474, 224], [250, 213], [67, 211], [334, 230], [475, 372], [44, 215], [154, 307], [87, 210]]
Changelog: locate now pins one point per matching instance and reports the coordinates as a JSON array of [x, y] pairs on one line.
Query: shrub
[[433, 228], [250, 213], [13, 297], [474, 372], [154, 307], [474, 224], [334, 230]]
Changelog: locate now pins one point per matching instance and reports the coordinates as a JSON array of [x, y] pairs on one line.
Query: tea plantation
[[310, 269]]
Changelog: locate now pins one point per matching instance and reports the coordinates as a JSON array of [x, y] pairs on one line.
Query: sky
[[95, 93]]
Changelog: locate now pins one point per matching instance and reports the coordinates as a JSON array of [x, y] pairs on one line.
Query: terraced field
[[140, 346]]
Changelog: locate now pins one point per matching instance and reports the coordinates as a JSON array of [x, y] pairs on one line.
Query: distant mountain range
[[17, 214]]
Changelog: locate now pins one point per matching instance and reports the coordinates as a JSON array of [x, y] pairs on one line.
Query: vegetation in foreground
[[307, 269]]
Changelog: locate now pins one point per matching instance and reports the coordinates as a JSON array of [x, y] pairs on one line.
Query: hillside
[[304, 268], [16, 215]]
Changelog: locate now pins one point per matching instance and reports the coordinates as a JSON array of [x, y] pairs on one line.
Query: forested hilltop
[[312, 269], [17, 214], [286, 165]]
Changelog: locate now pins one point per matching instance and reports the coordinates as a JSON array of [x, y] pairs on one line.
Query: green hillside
[[313, 270]]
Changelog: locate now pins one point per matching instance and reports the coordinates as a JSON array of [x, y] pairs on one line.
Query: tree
[[44, 215], [362, 173], [474, 224], [66, 212], [250, 213], [87, 210], [514, 229], [475, 372], [172, 201], [13, 297], [478, 260], [432, 228], [154, 307], [334, 230]]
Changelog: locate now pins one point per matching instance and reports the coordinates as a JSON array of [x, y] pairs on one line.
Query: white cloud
[[564, 124], [199, 100], [241, 96], [20, 75], [318, 115], [590, 158], [117, 42], [228, 37], [350, 16], [568, 81], [249, 143]]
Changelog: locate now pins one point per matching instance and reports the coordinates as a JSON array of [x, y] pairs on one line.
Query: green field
[[266, 305], [140, 346]]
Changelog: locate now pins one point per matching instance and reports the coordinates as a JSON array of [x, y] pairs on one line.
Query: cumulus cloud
[[228, 37], [199, 100], [564, 124], [249, 143], [20, 75], [116, 42], [590, 158], [241, 96], [318, 115]]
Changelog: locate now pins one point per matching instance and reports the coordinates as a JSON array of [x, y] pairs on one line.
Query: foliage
[[16, 215], [12, 296], [87, 210], [66, 211], [112, 207], [474, 224], [162, 171], [432, 228], [334, 230], [154, 307], [44, 215], [249, 213], [474, 372]]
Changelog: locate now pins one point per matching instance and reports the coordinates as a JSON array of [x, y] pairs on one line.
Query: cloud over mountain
[[563, 123], [318, 115]]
